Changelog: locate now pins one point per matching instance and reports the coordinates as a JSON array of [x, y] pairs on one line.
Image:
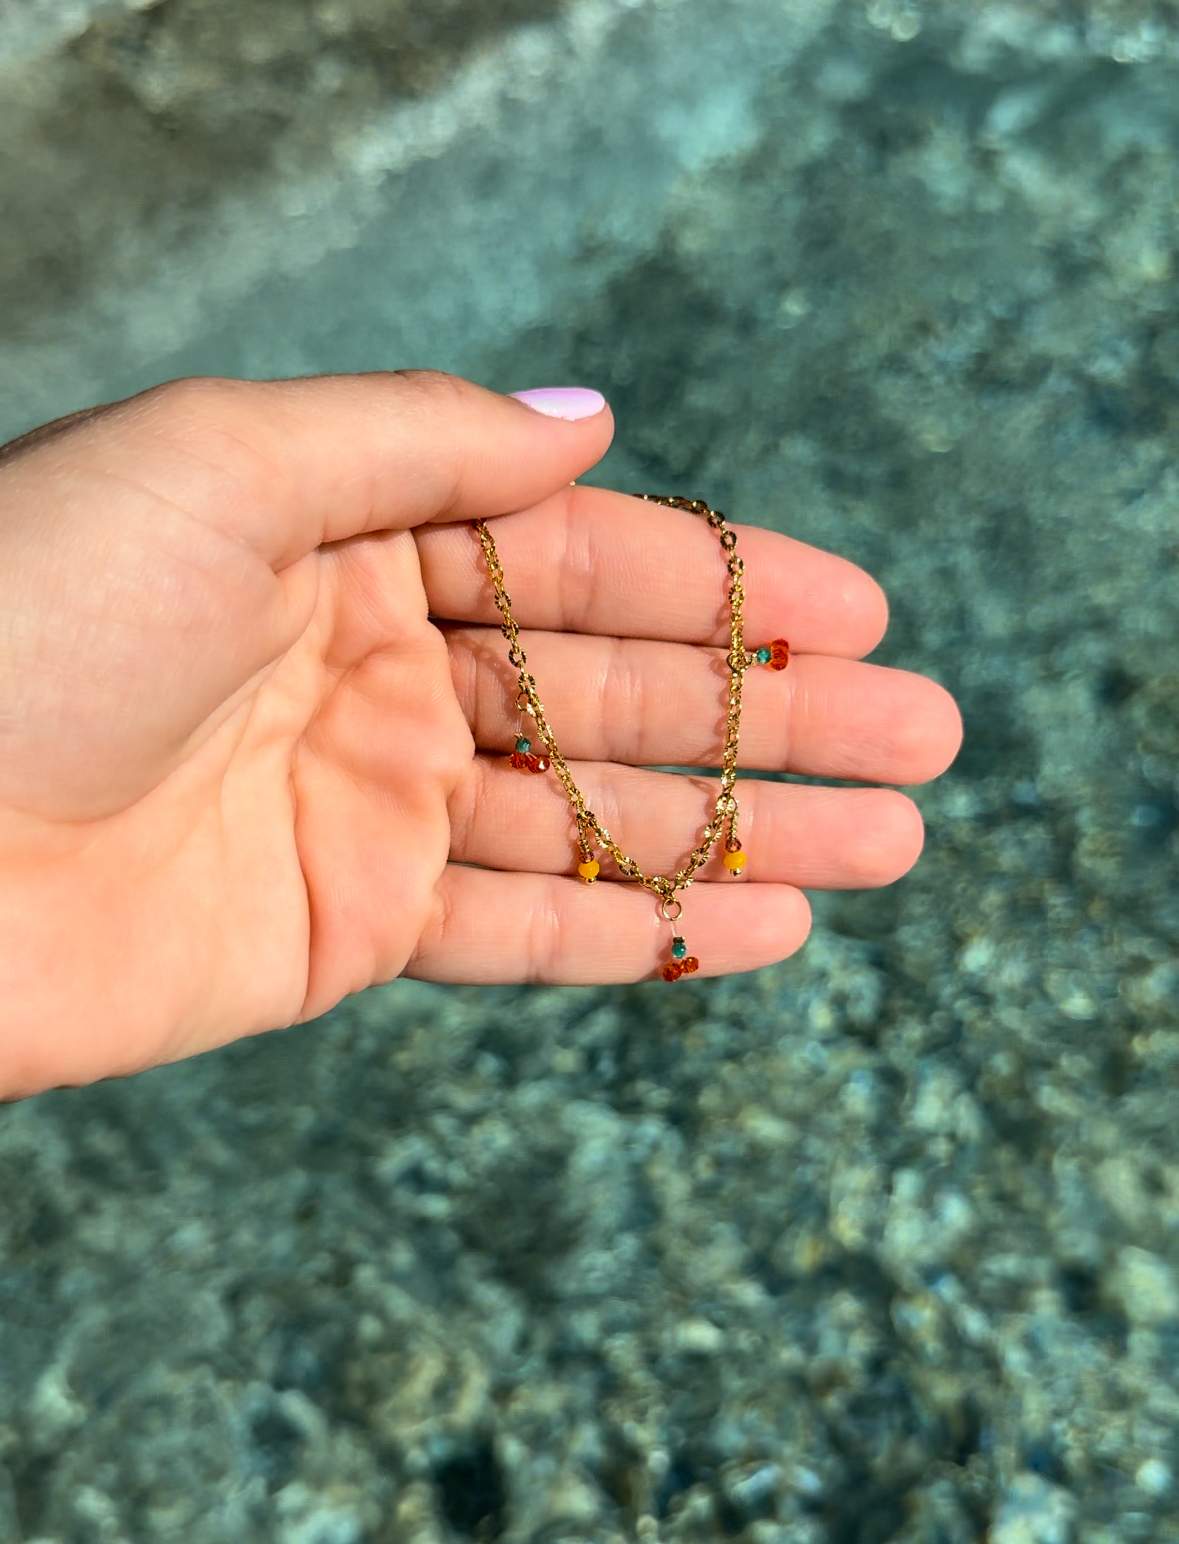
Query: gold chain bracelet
[[591, 834]]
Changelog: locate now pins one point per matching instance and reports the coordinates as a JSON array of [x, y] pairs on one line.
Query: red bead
[[526, 763], [779, 654], [674, 969]]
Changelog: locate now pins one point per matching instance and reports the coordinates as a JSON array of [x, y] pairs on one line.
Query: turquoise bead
[[678, 948], [523, 744], [762, 656]]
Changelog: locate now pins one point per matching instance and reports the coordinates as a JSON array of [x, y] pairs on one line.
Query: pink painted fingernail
[[570, 402]]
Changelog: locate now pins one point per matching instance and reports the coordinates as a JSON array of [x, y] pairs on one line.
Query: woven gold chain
[[590, 831]]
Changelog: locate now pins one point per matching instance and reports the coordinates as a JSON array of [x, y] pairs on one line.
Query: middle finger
[[663, 704]]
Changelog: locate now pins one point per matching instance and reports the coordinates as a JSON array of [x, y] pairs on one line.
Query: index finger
[[589, 560]]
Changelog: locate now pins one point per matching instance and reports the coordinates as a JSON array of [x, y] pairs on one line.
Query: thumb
[[284, 466], [139, 544]]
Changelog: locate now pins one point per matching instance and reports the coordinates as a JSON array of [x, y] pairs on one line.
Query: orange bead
[[518, 760], [734, 862], [674, 969], [589, 870], [779, 654], [542, 764]]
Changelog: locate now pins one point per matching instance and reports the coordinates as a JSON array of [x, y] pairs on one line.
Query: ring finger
[[814, 838]]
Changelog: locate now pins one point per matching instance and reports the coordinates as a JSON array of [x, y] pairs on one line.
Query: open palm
[[256, 708]]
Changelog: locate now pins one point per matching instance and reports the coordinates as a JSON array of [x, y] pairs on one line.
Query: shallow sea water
[[878, 1246]]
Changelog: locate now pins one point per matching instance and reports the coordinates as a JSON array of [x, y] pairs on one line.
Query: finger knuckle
[[544, 934], [196, 398], [436, 387]]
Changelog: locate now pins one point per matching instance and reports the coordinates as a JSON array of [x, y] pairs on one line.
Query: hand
[[246, 770]]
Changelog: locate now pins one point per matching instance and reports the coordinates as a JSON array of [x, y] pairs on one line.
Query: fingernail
[[570, 402]]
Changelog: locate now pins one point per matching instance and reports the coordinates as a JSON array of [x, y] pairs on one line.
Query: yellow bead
[[735, 861], [589, 871]]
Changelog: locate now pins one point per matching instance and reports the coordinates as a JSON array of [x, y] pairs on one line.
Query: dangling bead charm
[[588, 866], [674, 969], [776, 654], [522, 759], [734, 858], [681, 963]]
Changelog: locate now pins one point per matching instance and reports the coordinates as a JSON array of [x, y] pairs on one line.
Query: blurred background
[[880, 1246]]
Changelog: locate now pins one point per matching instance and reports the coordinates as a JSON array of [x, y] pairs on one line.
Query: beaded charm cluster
[[592, 837]]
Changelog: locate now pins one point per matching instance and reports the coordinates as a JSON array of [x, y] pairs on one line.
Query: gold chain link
[[590, 830]]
